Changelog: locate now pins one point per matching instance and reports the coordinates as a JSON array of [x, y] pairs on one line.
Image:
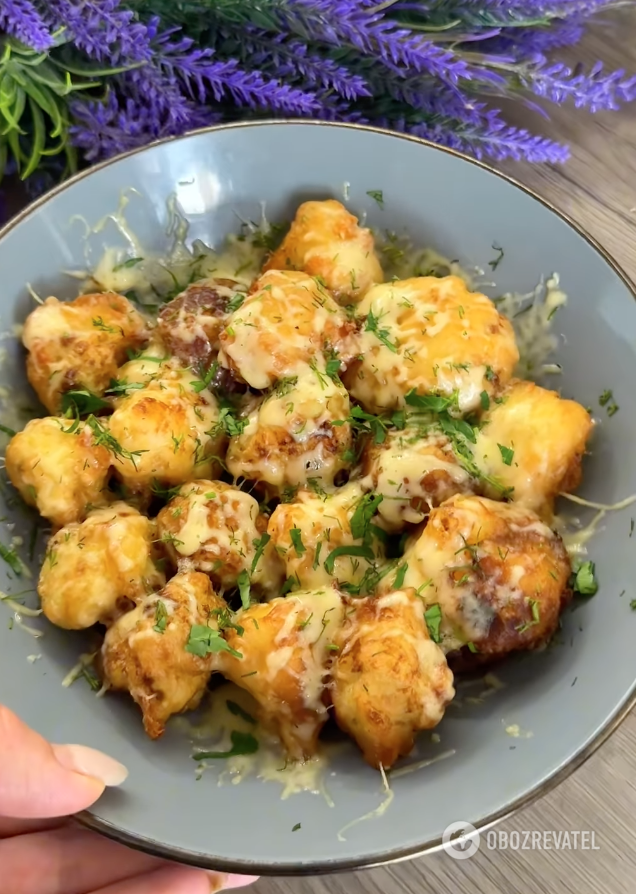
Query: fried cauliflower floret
[[95, 570], [286, 655], [389, 679], [168, 431], [79, 344], [190, 325], [306, 532], [288, 320], [291, 437], [325, 240], [146, 651], [219, 529], [60, 471], [491, 574], [413, 472], [533, 441], [432, 335]]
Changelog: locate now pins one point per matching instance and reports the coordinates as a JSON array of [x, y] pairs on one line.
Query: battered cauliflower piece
[[314, 539], [79, 344], [532, 441], [289, 320], [326, 241], [191, 324], [146, 651], [413, 472], [168, 431], [491, 574], [286, 656], [432, 335], [389, 679], [61, 472], [95, 570], [218, 529], [291, 436]]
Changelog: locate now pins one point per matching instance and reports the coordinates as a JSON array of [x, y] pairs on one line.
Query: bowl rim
[[397, 855]]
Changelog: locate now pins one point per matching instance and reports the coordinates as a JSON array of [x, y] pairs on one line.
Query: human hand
[[41, 852]]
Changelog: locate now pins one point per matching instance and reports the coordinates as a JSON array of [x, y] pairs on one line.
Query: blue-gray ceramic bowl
[[569, 697]]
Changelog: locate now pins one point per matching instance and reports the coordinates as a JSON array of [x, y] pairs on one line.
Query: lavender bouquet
[[82, 80]]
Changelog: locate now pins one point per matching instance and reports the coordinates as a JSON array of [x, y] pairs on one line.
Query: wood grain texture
[[597, 188]]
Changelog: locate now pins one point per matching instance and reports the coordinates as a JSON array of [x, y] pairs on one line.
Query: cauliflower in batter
[[97, 569], [327, 242]]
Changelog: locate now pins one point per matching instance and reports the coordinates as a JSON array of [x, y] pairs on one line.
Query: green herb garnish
[[204, 640], [364, 552], [496, 261], [238, 711], [242, 743], [372, 325], [297, 541], [583, 580], [433, 618], [377, 196], [243, 581], [81, 402], [7, 430], [260, 548], [11, 558], [161, 617], [484, 400], [131, 262], [507, 454]]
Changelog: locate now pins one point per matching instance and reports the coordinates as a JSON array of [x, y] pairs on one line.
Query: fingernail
[[221, 882], [90, 762]]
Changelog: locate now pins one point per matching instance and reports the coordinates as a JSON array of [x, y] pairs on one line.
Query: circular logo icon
[[460, 840]]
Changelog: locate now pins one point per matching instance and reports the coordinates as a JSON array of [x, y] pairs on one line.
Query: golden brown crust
[[79, 344]]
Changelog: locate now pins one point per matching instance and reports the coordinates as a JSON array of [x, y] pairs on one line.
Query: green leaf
[[433, 403], [38, 143], [507, 454], [83, 402], [399, 577], [295, 536], [433, 618], [161, 617], [364, 552], [242, 743], [205, 640], [243, 581], [584, 581], [260, 548], [238, 711], [361, 518], [11, 558], [7, 430]]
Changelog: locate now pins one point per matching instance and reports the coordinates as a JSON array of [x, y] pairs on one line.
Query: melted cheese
[[433, 335]]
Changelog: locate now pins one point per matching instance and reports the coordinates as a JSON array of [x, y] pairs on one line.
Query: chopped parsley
[[583, 580], [365, 423], [206, 379], [243, 581], [607, 400], [7, 430], [472, 647], [484, 400], [372, 325], [632, 605], [400, 575], [238, 711], [507, 454], [361, 519], [496, 261], [377, 196], [161, 617], [260, 548], [333, 368], [364, 552], [432, 403], [204, 640], [82, 402], [297, 541], [229, 423], [433, 618], [296, 827], [235, 302], [242, 743], [125, 265], [121, 386]]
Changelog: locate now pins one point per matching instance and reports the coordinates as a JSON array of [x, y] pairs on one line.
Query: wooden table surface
[[597, 188]]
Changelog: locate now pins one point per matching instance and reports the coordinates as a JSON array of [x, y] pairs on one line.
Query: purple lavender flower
[[21, 19], [102, 30], [595, 90], [287, 58], [498, 141]]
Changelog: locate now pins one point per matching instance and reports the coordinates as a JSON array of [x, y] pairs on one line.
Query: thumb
[[39, 780]]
